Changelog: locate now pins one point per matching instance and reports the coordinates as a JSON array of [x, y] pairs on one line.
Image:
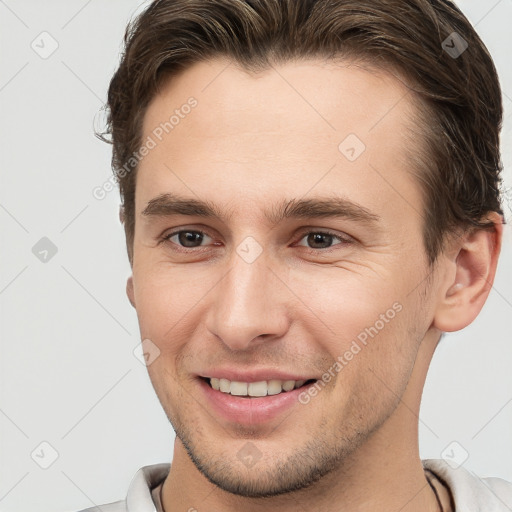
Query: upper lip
[[256, 375]]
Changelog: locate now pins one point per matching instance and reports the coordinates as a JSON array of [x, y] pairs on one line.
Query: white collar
[[139, 497], [470, 492]]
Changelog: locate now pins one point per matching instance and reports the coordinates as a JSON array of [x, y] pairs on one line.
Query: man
[[310, 199]]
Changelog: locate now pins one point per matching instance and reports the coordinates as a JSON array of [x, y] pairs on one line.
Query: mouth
[[256, 389]]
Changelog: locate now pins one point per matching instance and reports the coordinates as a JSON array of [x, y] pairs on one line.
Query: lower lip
[[249, 411]]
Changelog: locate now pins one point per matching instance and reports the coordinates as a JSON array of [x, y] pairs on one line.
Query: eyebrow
[[166, 205]]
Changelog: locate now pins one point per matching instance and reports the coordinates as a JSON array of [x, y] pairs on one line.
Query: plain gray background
[[69, 377]]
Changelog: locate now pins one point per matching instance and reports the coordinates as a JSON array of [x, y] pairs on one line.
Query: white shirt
[[470, 492]]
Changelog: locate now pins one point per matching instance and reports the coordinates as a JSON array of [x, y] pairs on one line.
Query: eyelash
[[344, 241]]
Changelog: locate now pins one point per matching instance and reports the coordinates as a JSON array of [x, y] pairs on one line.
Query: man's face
[[256, 294]]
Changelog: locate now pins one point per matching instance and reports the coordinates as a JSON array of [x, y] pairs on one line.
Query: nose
[[248, 306]]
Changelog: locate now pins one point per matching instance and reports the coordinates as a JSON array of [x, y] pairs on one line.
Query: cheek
[[348, 303], [166, 300], [365, 324]]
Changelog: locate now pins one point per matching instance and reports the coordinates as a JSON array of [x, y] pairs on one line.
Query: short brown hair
[[460, 97]]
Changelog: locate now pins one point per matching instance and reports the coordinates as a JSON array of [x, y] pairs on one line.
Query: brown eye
[[187, 239], [322, 240]]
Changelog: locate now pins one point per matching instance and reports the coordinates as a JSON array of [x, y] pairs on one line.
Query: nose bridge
[[247, 301]]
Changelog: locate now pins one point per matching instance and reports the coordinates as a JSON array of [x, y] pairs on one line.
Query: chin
[[269, 474]]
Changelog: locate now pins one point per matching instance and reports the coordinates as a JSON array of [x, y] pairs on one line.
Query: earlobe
[[469, 277], [129, 291]]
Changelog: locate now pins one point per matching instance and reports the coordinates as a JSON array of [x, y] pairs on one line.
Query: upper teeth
[[261, 388]]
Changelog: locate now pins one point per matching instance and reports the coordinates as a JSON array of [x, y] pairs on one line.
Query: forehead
[[340, 95], [299, 128]]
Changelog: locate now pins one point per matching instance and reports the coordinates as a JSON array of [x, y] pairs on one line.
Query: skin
[[253, 141]]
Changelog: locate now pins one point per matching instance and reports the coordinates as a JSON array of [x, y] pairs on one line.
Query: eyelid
[[324, 231]]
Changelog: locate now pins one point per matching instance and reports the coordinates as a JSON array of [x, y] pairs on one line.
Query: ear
[[129, 291], [468, 281]]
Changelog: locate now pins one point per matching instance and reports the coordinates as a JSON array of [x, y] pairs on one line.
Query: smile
[[255, 389]]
